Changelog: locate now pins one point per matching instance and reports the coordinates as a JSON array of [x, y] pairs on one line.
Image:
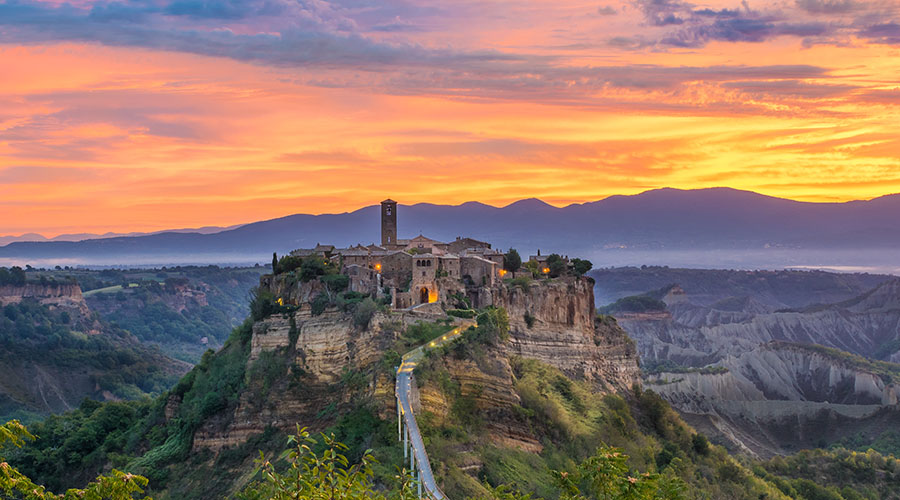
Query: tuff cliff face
[[550, 321], [318, 352], [564, 332], [323, 352], [65, 295], [45, 293]]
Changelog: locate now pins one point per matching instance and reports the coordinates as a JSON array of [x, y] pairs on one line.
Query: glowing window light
[[502, 273], [545, 270], [378, 267]]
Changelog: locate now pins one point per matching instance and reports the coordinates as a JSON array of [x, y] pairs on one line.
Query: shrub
[[319, 304], [363, 313], [493, 326], [529, 319], [521, 282], [581, 266], [262, 304], [336, 282], [289, 263], [700, 444], [557, 265], [315, 266], [462, 313], [512, 261]]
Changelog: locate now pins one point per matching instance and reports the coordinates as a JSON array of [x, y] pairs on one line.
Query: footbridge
[[407, 429]]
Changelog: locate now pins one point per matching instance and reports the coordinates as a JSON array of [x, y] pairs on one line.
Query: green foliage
[[669, 366], [634, 304], [529, 319], [33, 333], [700, 444], [172, 307], [581, 266], [221, 373], [462, 313], [889, 372], [607, 475], [421, 332], [319, 303], [521, 282], [13, 276], [316, 266], [269, 367], [462, 302], [363, 313], [288, 263], [325, 475], [512, 261], [557, 265], [263, 304], [336, 282], [493, 326], [834, 474], [13, 484]]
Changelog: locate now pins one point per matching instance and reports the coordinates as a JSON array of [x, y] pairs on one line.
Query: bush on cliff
[[12, 276], [512, 261], [557, 265]]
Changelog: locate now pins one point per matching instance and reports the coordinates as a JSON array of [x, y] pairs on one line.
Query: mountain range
[[654, 222]]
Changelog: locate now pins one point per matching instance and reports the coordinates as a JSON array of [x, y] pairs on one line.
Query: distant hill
[[660, 220], [772, 290], [32, 237]]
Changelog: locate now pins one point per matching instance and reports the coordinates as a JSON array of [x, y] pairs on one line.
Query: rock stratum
[[769, 382]]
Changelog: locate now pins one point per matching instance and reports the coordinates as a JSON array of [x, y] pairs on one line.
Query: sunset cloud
[[146, 114]]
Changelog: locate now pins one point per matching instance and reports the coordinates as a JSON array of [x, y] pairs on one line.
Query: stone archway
[[423, 295]]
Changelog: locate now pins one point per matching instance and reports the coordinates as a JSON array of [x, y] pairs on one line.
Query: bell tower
[[388, 222]]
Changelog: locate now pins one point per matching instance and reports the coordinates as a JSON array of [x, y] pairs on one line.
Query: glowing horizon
[[149, 115]]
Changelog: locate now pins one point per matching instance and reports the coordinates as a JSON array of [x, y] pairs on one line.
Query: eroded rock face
[[324, 349], [52, 294], [775, 387], [564, 332], [64, 295]]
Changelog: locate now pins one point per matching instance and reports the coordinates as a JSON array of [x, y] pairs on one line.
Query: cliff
[[781, 396], [63, 295], [565, 332], [321, 365]]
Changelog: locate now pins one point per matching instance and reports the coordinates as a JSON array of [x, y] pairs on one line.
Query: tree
[[557, 265], [17, 275], [607, 475], [288, 263], [115, 486], [581, 266], [328, 475], [274, 263], [512, 261], [313, 267]]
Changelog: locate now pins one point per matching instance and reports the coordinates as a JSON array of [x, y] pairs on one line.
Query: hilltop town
[[418, 271]]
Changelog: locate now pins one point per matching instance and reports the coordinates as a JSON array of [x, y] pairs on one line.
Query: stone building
[[414, 271]]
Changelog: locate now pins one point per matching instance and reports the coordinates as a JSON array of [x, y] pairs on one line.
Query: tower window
[[387, 211]]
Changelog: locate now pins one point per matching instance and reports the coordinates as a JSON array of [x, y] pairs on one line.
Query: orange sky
[[149, 115]]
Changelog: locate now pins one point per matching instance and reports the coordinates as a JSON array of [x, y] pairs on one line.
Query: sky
[[143, 115]]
